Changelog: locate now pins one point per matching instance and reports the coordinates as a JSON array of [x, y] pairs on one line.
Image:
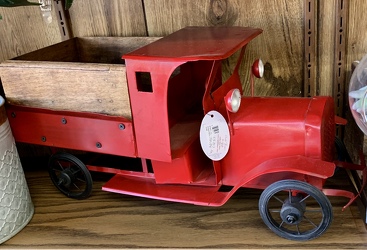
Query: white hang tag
[[214, 135]]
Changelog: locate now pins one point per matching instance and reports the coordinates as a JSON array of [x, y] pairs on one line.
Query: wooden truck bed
[[82, 74]]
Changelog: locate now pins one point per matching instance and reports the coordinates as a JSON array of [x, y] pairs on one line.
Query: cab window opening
[[144, 82]]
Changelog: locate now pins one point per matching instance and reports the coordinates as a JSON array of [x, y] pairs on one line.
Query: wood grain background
[[281, 46], [22, 30], [108, 220]]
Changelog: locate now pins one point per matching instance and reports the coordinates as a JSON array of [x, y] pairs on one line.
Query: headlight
[[258, 68], [233, 100]]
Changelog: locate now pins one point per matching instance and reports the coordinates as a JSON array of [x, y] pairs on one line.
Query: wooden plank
[[108, 220], [326, 33], [23, 29], [82, 74], [107, 18], [100, 88], [280, 46]]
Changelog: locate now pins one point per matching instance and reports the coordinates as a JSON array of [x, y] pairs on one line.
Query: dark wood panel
[[107, 220], [107, 18]]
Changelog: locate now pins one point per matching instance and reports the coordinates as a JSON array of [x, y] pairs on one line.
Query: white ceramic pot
[[16, 207]]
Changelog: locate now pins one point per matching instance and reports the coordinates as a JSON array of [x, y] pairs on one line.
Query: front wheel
[[295, 210]]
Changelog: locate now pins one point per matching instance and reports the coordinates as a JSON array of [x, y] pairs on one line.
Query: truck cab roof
[[197, 43]]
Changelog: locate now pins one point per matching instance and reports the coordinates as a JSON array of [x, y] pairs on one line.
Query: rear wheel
[[70, 175], [295, 210]]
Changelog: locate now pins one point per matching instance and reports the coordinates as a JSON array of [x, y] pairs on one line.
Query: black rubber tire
[[63, 166], [280, 226]]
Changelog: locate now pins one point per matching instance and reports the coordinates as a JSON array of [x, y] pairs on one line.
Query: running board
[[146, 187]]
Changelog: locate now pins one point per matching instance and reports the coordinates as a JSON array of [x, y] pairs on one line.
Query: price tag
[[214, 135]]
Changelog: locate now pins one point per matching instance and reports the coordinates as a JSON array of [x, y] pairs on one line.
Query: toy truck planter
[[197, 138]]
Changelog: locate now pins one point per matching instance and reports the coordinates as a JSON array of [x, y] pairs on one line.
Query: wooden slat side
[[87, 89], [58, 65]]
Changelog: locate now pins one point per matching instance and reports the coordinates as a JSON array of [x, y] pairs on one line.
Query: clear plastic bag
[[358, 94]]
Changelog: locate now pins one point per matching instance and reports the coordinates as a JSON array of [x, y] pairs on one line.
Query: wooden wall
[[22, 30], [281, 46]]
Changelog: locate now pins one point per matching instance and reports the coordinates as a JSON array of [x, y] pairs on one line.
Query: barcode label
[[214, 136]]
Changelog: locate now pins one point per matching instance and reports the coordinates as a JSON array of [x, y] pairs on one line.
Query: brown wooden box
[[82, 74]]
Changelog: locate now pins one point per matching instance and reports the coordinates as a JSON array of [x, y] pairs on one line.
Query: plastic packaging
[[358, 94]]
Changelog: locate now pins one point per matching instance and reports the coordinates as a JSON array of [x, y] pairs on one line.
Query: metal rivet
[[63, 121], [43, 138], [121, 126], [98, 145]]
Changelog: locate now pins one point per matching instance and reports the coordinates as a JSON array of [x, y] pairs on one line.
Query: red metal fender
[[297, 164]]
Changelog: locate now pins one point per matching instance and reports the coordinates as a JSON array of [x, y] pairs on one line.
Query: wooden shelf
[[108, 220]]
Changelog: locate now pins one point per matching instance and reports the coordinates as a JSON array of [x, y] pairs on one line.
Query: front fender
[[296, 164]]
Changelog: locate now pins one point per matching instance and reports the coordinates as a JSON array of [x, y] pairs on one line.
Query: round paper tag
[[214, 135]]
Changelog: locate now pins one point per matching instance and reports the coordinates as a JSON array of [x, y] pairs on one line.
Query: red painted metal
[[198, 195], [196, 43], [161, 59], [269, 128], [173, 83], [127, 173], [74, 130]]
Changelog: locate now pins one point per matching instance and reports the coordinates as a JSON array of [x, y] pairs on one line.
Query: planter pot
[[16, 207]]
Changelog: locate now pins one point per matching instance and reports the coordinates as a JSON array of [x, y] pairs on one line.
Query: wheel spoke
[[299, 233], [310, 221], [74, 171], [60, 165], [56, 170], [76, 186], [278, 199], [60, 182], [290, 195], [281, 224], [304, 199], [274, 210], [81, 180]]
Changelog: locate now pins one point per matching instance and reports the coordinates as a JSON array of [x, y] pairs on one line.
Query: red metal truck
[[198, 138]]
